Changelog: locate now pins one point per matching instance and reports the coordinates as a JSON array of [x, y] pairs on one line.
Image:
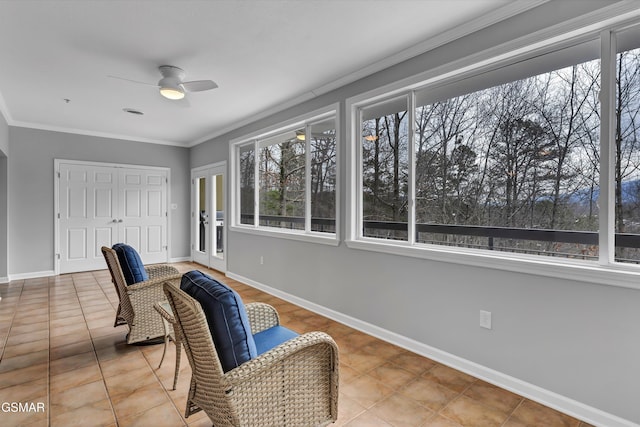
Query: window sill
[[313, 237], [626, 276]]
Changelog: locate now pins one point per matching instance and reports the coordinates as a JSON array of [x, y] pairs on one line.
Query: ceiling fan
[[171, 84]]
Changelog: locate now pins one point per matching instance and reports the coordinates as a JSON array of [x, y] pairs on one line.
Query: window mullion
[[256, 184], [606, 252], [307, 179], [411, 217], [359, 221]]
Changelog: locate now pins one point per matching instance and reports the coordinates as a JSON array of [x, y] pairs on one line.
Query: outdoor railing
[[493, 235]]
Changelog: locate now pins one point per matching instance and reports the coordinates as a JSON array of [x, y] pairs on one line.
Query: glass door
[[208, 216]]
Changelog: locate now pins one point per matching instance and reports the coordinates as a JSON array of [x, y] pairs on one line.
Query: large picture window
[[507, 158], [287, 179]]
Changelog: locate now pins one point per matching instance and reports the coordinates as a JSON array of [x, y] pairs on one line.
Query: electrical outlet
[[485, 319], [261, 260]]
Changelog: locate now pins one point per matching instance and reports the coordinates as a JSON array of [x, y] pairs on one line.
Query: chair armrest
[[303, 371], [160, 270], [298, 353], [151, 290], [261, 316]]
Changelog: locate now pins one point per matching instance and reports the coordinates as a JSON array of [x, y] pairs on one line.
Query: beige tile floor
[[60, 349]]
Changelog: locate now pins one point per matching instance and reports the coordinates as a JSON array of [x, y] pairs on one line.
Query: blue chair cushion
[[272, 337], [226, 316], [130, 263]]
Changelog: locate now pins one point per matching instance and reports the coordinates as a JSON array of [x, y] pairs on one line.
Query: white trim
[[4, 280], [75, 131], [300, 120], [285, 233], [546, 397], [32, 275], [607, 217], [180, 259]]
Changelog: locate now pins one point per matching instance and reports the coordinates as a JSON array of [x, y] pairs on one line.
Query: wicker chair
[[293, 384], [137, 300]]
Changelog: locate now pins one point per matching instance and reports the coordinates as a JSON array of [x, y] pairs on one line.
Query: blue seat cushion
[[226, 316], [272, 337], [130, 263]]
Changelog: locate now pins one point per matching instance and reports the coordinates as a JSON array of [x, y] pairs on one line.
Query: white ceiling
[[264, 54]]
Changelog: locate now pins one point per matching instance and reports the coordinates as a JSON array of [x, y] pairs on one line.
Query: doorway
[[208, 197], [99, 204]]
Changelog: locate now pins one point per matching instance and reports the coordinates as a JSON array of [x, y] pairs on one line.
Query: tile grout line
[[522, 400], [49, 409], [146, 361], [95, 352], [13, 318]]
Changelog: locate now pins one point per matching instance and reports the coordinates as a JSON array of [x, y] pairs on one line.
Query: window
[[626, 169], [385, 174], [505, 158], [246, 181], [286, 179], [282, 180], [323, 176]]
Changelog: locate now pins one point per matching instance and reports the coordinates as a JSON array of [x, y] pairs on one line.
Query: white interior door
[[143, 212], [87, 215], [208, 221], [103, 205]]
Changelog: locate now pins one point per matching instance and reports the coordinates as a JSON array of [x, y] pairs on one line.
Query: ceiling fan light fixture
[[170, 88], [172, 93]]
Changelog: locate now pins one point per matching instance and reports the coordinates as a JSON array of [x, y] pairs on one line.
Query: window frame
[[305, 121], [602, 271]]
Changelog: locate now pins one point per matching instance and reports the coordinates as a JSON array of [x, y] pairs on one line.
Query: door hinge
[[58, 174], [58, 255], [58, 215]]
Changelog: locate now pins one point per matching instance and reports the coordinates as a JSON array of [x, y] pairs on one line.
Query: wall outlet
[[261, 260], [485, 319]]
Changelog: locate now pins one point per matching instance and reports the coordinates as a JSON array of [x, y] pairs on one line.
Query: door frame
[[199, 170], [56, 199]]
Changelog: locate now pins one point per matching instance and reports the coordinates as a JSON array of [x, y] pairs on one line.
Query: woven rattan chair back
[[209, 390], [125, 309]]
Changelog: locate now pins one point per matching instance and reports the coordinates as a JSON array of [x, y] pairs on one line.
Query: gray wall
[[579, 340], [4, 151], [31, 208]]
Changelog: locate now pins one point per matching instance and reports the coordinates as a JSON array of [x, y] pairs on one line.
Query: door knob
[[119, 220], [115, 220]]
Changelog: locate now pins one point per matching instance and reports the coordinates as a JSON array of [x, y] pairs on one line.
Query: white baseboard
[[31, 275], [548, 398], [180, 259], [4, 280]]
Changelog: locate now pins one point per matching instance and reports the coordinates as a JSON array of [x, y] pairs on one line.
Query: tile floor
[[60, 349]]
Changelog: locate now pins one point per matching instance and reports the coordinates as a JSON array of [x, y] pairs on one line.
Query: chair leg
[[178, 355], [166, 343], [119, 319]]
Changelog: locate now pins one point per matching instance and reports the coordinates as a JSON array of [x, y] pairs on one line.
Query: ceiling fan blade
[[199, 85], [133, 81]]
